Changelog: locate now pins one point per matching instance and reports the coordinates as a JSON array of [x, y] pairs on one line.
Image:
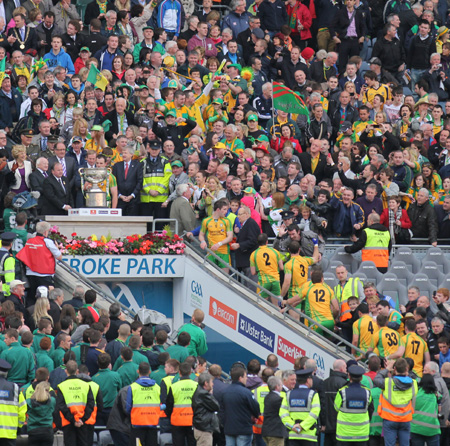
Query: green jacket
[[128, 373], [110, 383], [178, 352], [58, 357], [43, 360], [37, 339], [198, 346], [176, 378], [138, 357], [77, 351], [22, 363], [40, 414], [158, 375]]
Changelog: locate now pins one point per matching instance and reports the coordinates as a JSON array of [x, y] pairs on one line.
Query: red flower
[[135, 251], [74, 234]]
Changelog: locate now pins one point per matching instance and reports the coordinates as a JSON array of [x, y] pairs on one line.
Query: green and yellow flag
[[287, 100], [96, 78], [2, 69]]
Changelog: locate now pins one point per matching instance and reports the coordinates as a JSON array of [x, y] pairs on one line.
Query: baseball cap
[[176, 163], [220, 145], [258, 33], [97, 128], [375, 61], [235, 65], [252, 117], [171, 113], [262, 138], [77, 139], [345, 126], [85, 48], [172, 84]]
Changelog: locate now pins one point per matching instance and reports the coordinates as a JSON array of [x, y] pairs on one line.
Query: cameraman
[[437, 78]]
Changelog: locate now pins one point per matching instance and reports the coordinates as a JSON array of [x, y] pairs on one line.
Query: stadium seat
[[445, 282], [330, 279], [401, 271], [350, 262], [436, 255], [431, 270], [405, 254], [332, 267], [425, 286], [324, 263], [370, 271], [390, 286]]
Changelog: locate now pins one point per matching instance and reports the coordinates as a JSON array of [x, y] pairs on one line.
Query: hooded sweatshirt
[[62, 59], [250, 203], [143, 381]]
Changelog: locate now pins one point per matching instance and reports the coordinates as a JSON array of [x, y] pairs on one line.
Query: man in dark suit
[[273, 427], [120, 120], [68, 164], [129, 175], [246, 242], [323, 169], [21, 37], [57, 196], [37, 179], [443, 218], [182, 210]]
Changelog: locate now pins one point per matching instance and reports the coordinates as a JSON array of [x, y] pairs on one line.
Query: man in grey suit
[[182, 210]]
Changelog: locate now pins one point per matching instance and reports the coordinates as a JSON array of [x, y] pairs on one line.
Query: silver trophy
[[95, 197]]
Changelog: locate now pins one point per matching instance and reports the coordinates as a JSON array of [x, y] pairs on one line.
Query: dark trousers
[[445, 436], [301, 443], [102, 416], [183, 434], [219, 438], [330, 439], [76, 436], [120, 438], [347, 48], [36, 281], [41, 436], [147, 436], [154, 210], [376, 440], [7, 442], [131, 208], [90, 434], [352, 443]]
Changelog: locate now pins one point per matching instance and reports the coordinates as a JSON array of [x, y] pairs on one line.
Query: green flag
[[288, 100], [2, 70], [96, 78]]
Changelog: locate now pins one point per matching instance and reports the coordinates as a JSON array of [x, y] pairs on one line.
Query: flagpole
[[273, 108]]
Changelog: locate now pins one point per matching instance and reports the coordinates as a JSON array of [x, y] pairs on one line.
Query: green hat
[[262, 138], [143, 87], [252, 117], [190, 150], [85, 48], [249, 190], [218, 101], [172, 84], [106, 125], [176, 163], [97, 128], [171, 113], [235, 65], [127, 87], [147, 27]]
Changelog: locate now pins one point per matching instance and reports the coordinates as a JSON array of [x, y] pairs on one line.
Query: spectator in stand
[[423, 218]]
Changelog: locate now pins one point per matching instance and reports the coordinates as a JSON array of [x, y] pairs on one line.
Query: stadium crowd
[[70, 366]]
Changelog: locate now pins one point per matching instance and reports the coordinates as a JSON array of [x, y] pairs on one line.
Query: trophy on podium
[[95, 197]]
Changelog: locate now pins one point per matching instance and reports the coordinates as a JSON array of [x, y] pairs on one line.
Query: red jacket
[[404, 220], [37, 256], [302, 13]]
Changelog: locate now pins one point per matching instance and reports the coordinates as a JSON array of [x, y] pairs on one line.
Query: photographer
[[386, 140], [437, 78]]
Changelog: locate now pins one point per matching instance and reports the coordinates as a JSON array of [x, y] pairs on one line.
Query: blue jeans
[[238, 440], [420, 440], [394, 429]]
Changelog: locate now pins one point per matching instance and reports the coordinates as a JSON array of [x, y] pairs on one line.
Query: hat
[[77, 139], [27, 132], [261, 147], [176, 163], [280, 36], [154, 144], [356, 371], [122, 86], [249, 190], [220, 145], [190, 150], [147, 27], [408, 316], [351, 362], [97, 128], [252, 117], [218, 101], [235, 65], [421, 101], [143, 87], [171, 113], [41, 291], [14, 283], [442, 30], [286, 215], [53, 139], [375, 61], [262, 138], [306, 373], [258, 33], [307, 53], [346, 125], [85, 48], [172, 84], [4, 365], [8, 236]]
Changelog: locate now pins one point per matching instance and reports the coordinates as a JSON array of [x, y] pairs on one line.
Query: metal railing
[[166, 220], [92, 285], [235, 275]]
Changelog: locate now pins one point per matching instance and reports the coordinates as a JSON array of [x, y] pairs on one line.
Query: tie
[[63, 163], [44, 143], [62, 185], [22, 33], [45, 174], [126, 170]]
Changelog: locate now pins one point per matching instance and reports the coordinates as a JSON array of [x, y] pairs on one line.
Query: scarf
[[393, 228], [102, 7], [57, 112]]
